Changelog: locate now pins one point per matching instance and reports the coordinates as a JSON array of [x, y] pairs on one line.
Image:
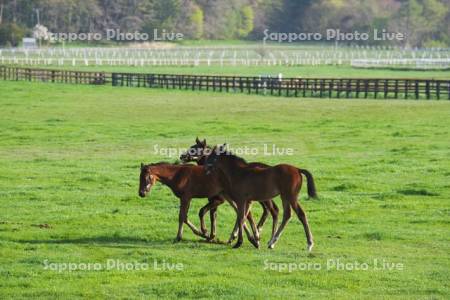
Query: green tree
[[246, 21], [11, 34], [196, 21], [423, 22]]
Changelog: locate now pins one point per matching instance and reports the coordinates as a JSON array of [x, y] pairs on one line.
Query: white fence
[[232, 56], [428, 63]]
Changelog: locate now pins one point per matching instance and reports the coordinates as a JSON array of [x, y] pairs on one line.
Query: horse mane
[[235, 158], [177, 162]]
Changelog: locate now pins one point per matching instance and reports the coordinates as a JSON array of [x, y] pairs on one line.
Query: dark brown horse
[[186, 182], [198, 153], [244, 183]]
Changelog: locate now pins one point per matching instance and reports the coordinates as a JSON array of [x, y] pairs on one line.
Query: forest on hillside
[[425, 22]]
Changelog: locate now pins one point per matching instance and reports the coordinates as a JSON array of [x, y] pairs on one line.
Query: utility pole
[[1, 13], [37, 14]]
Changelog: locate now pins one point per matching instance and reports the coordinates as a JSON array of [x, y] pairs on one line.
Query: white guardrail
[[407, 63], [368, 57]]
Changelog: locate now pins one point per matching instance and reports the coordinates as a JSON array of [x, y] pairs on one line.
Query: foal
[[198, 153], [186, 182], [244, 184]]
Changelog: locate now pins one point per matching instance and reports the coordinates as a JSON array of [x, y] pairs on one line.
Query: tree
[[426, 22], [422, 21], [246, 21], [196, 21], [11, 34]]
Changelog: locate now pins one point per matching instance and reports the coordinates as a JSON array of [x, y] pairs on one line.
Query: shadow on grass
[[118, 242], [417, 192], [103, 240]]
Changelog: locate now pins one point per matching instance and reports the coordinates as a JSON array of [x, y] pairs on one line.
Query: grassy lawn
[[69, 167]]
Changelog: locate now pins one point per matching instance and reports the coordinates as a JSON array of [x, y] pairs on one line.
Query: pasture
[[69, 167]]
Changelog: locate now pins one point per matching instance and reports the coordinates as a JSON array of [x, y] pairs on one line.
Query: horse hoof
[[255, 243], [271, 246], [230, 240], [309, 247], [238, 245], [176, 240]]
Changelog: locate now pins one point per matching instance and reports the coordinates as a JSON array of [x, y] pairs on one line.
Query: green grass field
[[69, 167]]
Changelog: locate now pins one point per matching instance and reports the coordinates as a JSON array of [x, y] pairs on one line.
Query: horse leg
[[274, 212], [241, 212], [273, 208], [212, 205], [235, 231], [213, 215], [194, 229], [201, 214], [255, 238], [286, 217], [182, 216], [302, 217], [263, 217]]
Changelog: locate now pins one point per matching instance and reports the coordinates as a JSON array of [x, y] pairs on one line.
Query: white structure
[[29, 43]]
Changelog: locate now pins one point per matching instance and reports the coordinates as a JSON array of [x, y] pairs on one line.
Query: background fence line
[[257, 55], [392, 88]]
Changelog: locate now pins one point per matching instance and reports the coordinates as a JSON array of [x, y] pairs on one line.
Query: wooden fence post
[[416, 89], [376, 88], [330, 88], [427, 89], [406, 88], [366, 88], [305, 86], [349, 88], [396, 89], [358, 85], [280, 86]]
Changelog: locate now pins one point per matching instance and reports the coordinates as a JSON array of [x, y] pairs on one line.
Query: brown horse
[[186, 182], [244, 183], [198, 153]]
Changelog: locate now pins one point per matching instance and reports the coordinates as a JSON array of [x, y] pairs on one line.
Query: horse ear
[[142, 166], [204, 142], [197, 140]]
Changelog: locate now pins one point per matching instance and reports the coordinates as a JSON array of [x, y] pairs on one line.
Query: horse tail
[[311, 185]]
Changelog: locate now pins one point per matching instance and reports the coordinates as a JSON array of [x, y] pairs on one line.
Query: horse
[[244, 183], [198, 153], [186, 182]]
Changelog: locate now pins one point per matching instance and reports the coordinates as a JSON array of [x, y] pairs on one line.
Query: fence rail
[[295, 87], [244, 55], [418, 63]]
